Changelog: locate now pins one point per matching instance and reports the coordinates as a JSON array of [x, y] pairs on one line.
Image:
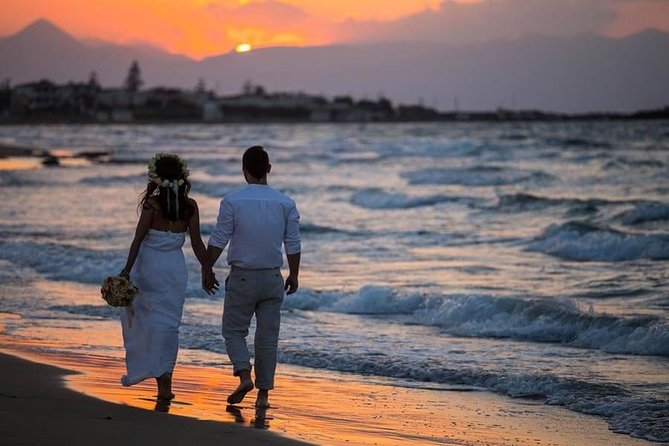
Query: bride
[[157, 267]]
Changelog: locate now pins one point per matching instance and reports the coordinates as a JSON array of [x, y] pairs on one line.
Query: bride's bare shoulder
[[151, 203]]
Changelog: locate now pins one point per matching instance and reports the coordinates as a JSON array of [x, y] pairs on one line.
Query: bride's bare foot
[[262, 401], [165, 387], [245, 386]]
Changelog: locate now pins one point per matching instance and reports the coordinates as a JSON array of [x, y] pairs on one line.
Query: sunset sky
[[200, 28]]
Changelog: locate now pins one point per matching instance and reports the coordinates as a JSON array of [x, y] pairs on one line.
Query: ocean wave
[[522, 202], [587, 242], [538, 320], [623, 162], [378, 199], [311, 228], [104, 181], [633, 415], [368, 300], [578, 143], [577, 207], [138, 159], [10, 231], [306, 229], [477, 176], [24, 178], [64, 262], [215, 189], [645, 212], [357, 157]]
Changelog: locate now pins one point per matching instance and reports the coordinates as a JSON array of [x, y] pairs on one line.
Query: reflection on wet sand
[[162, 406], [261, 420], [236, 414]]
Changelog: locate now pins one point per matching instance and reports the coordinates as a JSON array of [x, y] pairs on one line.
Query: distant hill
[[578, 74], [42, 50]]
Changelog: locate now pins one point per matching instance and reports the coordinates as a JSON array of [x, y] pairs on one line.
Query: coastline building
[[46, 101]]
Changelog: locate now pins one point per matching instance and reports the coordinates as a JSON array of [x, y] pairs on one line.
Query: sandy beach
[[76, 399], [37, 409]]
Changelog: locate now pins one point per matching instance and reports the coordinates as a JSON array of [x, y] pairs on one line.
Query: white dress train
[[151, 324]]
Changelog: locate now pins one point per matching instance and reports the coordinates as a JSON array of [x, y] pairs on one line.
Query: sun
[[243, 48]]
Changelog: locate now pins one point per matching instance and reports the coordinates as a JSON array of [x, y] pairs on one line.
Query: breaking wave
[[477, 176], [378, 199], [587, 242], [538, 320], [646, 212]]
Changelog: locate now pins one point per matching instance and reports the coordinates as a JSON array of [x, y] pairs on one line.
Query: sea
[[526, 259]]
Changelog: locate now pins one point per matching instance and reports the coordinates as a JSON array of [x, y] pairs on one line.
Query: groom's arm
[[222, 232], [218, 240], [292, 281], [293, 245]]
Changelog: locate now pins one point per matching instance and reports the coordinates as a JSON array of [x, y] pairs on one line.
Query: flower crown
[[162, 182]]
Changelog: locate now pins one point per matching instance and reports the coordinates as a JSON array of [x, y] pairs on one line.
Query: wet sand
[[37, 409], [43, 405]]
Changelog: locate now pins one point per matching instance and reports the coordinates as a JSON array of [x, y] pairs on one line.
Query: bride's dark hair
[[169, 171]]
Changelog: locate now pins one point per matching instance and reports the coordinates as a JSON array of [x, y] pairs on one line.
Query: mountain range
[[575, 74]]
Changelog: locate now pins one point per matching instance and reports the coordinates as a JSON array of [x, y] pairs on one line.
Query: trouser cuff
[[238, 368], [264, 386]]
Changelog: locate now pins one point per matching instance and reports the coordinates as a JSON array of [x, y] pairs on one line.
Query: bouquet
[[118, 291]]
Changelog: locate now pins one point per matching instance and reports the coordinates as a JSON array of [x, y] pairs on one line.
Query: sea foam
[[535, 320]]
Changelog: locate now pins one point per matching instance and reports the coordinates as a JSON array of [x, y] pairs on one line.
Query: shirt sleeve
[[225, 224], [291, 236]]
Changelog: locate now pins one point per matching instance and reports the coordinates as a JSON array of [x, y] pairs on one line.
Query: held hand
[[209, 283], [291, 284]]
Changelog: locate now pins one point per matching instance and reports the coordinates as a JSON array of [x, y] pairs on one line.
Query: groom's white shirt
[[256, 221]]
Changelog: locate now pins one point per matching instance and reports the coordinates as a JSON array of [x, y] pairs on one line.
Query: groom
[[256, 221]]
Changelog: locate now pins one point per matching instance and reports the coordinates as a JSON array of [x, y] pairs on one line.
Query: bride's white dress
[[151, 324]]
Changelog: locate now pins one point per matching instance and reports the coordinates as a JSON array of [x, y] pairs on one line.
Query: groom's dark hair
[[256, 161]]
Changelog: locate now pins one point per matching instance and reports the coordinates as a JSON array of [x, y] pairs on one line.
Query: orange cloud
[[637, 15], [382, 10], [270, 23], [201, 28]]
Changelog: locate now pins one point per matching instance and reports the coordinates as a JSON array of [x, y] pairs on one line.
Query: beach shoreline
[[81, 400], [36, 408]]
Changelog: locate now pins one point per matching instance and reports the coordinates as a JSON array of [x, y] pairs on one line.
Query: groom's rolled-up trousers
[[249, 292]]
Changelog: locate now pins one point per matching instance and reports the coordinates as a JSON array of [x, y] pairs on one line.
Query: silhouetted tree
[[133, 82], [251, 89], [201, 87], [247, 89], [5, 95], [93, 83]]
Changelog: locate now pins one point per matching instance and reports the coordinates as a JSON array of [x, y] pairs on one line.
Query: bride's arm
[[195, 237], [143, 226]]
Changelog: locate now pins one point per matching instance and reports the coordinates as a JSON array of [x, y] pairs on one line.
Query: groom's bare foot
[[262, 401], [245, 386]]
